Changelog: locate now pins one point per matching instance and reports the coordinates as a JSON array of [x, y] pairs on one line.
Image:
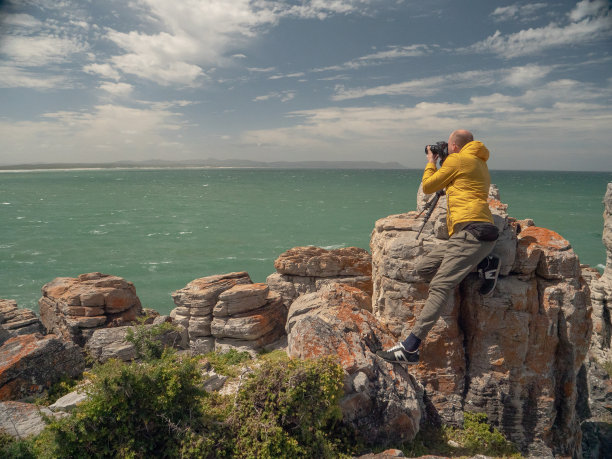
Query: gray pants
[[451, 262]]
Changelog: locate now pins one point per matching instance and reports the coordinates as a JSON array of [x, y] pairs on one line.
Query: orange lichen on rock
[[543, 237]]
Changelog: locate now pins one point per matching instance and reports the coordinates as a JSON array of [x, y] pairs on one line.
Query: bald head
[[460, 138]]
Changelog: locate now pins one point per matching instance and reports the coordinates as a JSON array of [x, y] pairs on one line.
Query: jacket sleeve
[[438, 179]]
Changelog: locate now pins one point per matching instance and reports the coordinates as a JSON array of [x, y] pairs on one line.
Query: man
[[465, 176]]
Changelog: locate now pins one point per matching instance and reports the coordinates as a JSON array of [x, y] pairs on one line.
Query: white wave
[[6, 203], [185, 232], [333, 247], [600, 266], [96, 232]]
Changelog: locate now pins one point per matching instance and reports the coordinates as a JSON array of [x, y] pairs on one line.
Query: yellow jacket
[[465, 176]]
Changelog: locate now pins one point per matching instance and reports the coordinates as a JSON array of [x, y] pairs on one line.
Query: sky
[[296, 80]]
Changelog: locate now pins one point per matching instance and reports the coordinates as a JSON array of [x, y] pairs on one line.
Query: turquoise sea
[[161, 229]]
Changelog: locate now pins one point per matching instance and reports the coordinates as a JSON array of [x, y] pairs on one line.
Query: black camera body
[[440, 149]]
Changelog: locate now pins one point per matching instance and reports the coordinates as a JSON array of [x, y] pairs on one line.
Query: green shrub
[[147, 339], [289, 409], [478, 437], [222, 363], [137, 410], [13, 448]]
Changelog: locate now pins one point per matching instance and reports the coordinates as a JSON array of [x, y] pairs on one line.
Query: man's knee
[[426, 271]]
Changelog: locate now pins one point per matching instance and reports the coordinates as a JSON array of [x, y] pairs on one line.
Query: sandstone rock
[[31, 363], [74, 307], [595, 388], [251, 325], [304, 270], [68, 402], [204, 293], [547, 253], [382, 401], [319, 262], [111, 343], [240, 299], [229, 312], [22, 420], [515, 355], [18, 321], [195, 303]]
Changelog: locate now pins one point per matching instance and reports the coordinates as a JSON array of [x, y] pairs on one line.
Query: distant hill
[[211, 162]]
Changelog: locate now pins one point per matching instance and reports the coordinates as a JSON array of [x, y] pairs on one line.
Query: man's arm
[[438, 179]]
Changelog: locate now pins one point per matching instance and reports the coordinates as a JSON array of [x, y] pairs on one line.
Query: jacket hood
[[477, 149]]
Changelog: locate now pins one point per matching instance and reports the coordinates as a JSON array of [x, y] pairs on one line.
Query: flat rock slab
[[31, 363], [21, 420], [69, 401]]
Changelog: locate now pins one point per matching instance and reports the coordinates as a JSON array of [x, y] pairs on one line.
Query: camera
[[440, 149]]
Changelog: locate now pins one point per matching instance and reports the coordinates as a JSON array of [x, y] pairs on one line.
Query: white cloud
[[104, 70], [577, 109], [39, 50], [15, 77], [117, 89], [283, 96], [517, 12], [591, 24], [587, 8], [525, 75], [380, 57], [21, 20], [106, 133], [515, 76], [198, 34], [288, 75]]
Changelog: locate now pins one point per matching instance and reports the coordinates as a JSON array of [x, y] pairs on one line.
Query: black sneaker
[[489, 271], [397, 354]]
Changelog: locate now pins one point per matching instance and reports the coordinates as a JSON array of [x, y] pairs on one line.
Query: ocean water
[[160, 229]]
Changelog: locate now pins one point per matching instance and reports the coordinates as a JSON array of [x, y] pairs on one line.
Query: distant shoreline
[[203, 164]]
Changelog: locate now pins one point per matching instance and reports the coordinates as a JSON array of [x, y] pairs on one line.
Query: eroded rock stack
[[515, 355], [302, 270], [381, 400], [228, 311], [596, 404], [18, 321], [75, 307]]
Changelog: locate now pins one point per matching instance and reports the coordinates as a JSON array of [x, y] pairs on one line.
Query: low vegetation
[[283, 408]]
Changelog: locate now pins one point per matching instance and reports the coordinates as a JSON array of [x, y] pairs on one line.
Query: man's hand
[[431, 157]]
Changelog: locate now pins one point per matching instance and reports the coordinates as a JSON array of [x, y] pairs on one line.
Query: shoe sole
[[486, 295], [401, 362]]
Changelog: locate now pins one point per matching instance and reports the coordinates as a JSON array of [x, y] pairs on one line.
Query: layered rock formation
[[596, 383], [302, 270], [228, 311], [75, 307], [31, 363], [381, 400], [18, 321], [515, 355]]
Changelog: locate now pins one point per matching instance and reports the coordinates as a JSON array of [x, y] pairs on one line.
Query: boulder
[[31, 363], [75, 307], [302, 270], [515, 355], [228, 311], [382, 401], [68, 402], [111, 343], [18, 321], [22, 420]]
